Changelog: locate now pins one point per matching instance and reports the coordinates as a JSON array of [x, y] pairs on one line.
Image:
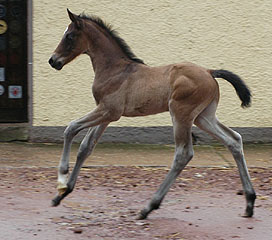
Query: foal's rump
[[191, 79], [192, 89]]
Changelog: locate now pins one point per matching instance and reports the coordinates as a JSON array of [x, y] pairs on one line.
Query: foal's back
[[151, 89]]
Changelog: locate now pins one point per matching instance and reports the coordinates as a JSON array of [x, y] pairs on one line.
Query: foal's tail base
[[241, 88]]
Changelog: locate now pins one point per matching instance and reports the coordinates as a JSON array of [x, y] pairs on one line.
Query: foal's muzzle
[[55, 63]]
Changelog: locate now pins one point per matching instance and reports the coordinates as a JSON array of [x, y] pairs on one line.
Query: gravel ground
[[204, 203]]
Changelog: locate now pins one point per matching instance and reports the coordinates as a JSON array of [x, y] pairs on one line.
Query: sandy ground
[[117, 182]]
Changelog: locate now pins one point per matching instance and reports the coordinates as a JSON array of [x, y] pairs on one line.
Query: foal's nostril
[[55, 62], [58, 65], [51, 61]]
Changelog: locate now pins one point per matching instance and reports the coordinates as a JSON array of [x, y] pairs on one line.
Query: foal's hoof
[[142, 215], [56, 201], [249, 212], [62, 190]]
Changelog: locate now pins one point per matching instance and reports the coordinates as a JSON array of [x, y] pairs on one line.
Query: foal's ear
[[75, 19]]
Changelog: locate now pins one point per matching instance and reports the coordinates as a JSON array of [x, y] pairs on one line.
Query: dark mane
[[108, 28]]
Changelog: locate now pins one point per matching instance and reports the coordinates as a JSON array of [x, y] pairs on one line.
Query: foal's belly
[[148, 92], [145, 106]]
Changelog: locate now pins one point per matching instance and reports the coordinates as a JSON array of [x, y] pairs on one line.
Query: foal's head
[[88, 35], [72, 44]]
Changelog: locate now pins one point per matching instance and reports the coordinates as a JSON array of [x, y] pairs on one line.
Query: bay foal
[[125, 86]]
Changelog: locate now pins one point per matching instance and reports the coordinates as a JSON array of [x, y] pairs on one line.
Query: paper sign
[[15, 92], [2, 74]]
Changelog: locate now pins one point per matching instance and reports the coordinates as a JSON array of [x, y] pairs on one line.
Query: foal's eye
[[70, 36]]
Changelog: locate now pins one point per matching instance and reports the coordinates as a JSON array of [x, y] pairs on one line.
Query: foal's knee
[[71, 130]]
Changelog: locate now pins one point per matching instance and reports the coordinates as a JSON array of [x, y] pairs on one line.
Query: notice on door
[[15, 92]]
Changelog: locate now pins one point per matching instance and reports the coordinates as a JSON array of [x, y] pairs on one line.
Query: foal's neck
[[104, 51]]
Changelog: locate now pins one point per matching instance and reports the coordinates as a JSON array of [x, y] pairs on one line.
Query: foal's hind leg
[[183, 154], [86, 147], [208, 122]]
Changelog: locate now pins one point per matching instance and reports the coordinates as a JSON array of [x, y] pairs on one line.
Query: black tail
[[241, 88]]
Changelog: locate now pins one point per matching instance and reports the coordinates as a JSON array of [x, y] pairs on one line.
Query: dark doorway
[[13, 61]]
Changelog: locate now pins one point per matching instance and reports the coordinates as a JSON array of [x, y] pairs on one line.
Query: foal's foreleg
[[183, 154], [97, 117], [86, 147], [92, 119]]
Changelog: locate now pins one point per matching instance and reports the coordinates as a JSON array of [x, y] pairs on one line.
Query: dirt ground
[[117, 182]]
